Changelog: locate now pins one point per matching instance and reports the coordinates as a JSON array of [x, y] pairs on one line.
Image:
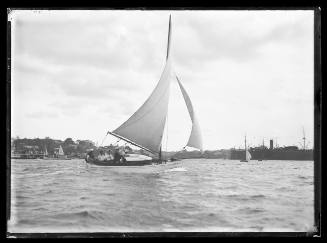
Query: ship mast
[[245, 146], [303, 139]]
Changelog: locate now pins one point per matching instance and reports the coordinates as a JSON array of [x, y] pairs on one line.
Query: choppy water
[[189, 195]]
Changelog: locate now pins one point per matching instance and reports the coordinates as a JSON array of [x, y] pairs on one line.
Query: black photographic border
[[317, 134]]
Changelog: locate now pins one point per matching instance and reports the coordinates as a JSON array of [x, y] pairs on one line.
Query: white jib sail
[[247, 155], [61, 152], [146, 126], [195, 139]]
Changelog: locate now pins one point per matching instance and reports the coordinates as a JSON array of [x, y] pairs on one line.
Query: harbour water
[[190, 195]]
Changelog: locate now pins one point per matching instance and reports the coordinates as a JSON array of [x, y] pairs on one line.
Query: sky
[[81, 73]]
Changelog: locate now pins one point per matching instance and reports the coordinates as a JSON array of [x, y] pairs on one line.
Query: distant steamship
[[275, 153]]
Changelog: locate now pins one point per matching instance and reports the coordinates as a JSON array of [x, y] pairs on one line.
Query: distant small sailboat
[[61, 151], [46, 152], [60, 155], [145, 127], [247, 155]]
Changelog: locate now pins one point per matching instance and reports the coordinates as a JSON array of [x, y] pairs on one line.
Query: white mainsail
[[145, 127], [46, 151], [195, 139]]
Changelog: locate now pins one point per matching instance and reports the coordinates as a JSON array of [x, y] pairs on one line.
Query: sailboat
[[60, 155], [247, 155], [45, 154], [61, 151], [145, 127]]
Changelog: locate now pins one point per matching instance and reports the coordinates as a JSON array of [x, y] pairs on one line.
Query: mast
[[246, 150], [263, 148], [303, 139], [168, 42], [168, 49], [160, 154], [146, 126]]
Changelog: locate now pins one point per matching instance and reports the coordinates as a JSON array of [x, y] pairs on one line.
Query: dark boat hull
[[126, 163], [244, 161]]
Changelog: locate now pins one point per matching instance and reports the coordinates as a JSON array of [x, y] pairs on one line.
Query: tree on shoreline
[[39, 145]]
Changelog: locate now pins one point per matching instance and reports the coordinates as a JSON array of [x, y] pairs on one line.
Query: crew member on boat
[[119, 156], [101, 156], [123, 154], [104, 156], [90, 155]]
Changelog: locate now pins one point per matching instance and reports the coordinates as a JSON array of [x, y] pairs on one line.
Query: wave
[[284, 188], [81, 214], [162, 197], [304, 177], [251, 210], [242, 197], [22, 197], [257, 196], [179, 169], [26, 221]]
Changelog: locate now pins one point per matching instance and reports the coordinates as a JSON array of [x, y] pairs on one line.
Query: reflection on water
[[189, 195]]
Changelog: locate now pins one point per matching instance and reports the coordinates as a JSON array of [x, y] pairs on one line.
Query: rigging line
[[103, 139], [131, 142]]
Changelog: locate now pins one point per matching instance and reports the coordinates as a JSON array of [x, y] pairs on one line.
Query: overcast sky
[[80, 74]]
